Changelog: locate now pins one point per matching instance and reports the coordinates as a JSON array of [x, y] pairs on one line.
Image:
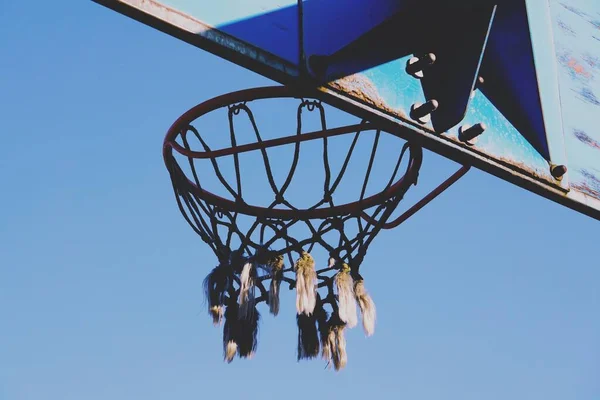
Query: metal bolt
[[468, 134], [416, 65], [421, 112], [558, 171]]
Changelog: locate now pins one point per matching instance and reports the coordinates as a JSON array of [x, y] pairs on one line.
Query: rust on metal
[[188, 25], [362, 89], [511, 163], [425, 200], [266, 144]]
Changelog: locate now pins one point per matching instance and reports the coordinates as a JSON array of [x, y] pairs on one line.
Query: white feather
[[306, 285], [346, 300], [342, 355], [336, 348], [217, 314], [367, 308], [230, 351], [246, 298]]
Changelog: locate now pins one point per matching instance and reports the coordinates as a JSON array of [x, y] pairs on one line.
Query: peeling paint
[[524, 167], [585, 138], [596, 23], [187, 23], [566, 28], [574, 67], [362, 89], [578, 68], [586, 94], [592, 61], [591, 185], [574, 10]]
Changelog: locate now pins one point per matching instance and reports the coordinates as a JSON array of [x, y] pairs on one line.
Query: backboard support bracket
[[453, 40]]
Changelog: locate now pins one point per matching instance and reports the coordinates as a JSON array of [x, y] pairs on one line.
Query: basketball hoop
[[259, 246]]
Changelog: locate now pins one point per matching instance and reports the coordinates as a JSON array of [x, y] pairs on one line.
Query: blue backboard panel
[[528, 69]]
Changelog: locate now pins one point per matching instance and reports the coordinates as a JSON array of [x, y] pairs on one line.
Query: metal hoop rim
[[274, 92]]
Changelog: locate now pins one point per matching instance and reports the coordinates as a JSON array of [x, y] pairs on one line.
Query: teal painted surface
[[576, 26], [389, 84]]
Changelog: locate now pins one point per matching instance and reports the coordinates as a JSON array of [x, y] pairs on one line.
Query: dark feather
[[308, 336], [230, 328], [274, 290], [337, 342], [247, 338], [323, 327], [216, 284]]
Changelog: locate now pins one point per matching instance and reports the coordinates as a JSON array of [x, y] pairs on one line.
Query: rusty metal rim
[[274, 92]]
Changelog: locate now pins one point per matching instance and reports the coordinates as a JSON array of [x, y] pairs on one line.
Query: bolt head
[[470, 138], [422, 112], [558, 171]]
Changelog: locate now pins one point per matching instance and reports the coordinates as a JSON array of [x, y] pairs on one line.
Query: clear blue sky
[[489, 293]]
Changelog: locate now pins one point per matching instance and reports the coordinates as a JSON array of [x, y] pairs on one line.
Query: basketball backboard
[[524, 73]]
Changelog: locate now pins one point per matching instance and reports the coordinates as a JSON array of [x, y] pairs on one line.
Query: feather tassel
[[240, 335], [323, 332], [274, 289], [346, 300], [247, 293], [334, 350], [230, 332], [306, 284], [248, 334], [308, 336], [276, 268], [216, 285], [230, 351], [338, 346], [367, 307]]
